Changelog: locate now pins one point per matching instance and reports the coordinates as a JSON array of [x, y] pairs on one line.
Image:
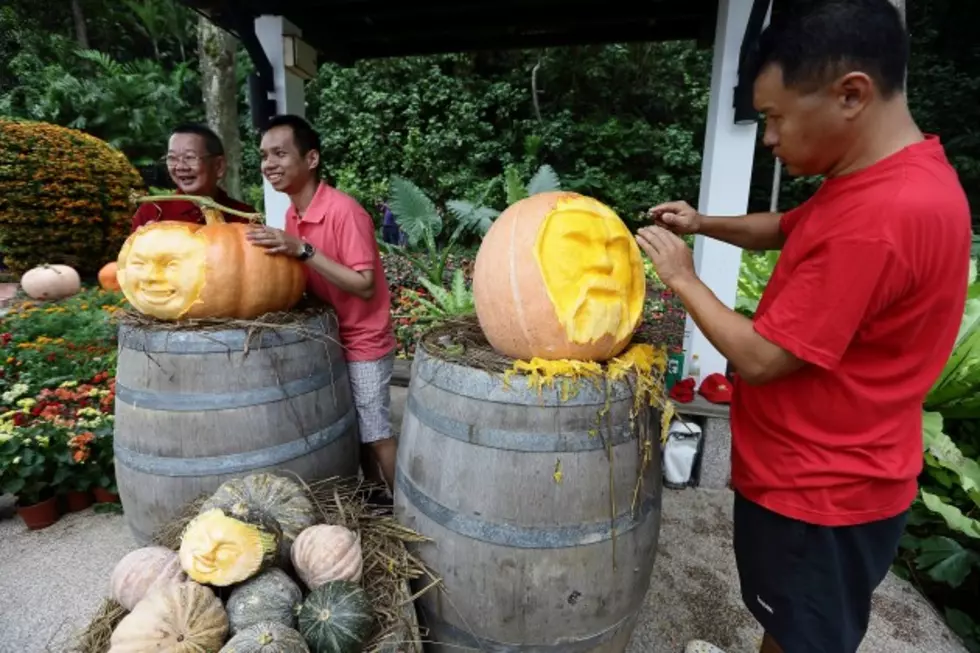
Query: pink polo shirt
[[343, 231]]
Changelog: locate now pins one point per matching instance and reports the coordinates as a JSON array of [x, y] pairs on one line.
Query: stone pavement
[[52, 580]]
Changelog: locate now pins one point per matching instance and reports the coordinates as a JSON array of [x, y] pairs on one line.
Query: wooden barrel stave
[[193, 410], [526, 561]]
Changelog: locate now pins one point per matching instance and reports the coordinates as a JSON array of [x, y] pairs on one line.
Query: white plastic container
[[680, 453]]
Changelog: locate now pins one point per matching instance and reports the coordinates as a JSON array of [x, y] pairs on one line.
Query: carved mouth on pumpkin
[[157, 296]]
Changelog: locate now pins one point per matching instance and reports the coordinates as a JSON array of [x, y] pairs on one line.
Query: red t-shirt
[[869, 290], [342, 230], [186, 211]]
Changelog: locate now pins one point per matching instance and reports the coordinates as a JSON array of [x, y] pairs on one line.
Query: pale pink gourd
[[327, 552], [140, 570]]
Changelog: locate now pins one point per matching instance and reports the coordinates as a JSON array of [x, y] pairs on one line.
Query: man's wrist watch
[[307, 252]]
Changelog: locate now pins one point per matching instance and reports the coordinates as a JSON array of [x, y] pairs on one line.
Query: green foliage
[[457, 301], [129, 102]]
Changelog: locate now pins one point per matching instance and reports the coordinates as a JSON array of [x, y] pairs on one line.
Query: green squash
[[278, 497], [271, 596], [337, 617], [266, 637]]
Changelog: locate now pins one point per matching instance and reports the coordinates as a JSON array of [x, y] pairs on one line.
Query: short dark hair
[[306, 138], [814, 41], [212, 143]]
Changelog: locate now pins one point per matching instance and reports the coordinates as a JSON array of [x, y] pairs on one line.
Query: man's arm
[[756, 231], [356, 282], [755, 359]]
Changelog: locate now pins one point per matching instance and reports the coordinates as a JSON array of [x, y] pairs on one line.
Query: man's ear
[[220, 166], [313, 159], [854, 92]]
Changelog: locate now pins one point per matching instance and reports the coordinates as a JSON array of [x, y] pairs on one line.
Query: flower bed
[[57, 393]]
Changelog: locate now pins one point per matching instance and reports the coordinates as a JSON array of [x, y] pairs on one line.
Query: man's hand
[[276, 241], [669, 254], [678, 217]]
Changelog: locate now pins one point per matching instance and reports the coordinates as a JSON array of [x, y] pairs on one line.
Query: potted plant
[[27, 466], [104, 466], [77, 474]]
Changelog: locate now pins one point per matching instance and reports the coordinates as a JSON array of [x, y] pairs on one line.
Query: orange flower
[[80, 455]]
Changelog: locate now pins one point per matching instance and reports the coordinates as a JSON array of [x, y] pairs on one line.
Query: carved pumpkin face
[[177, 270], [217, 549], [588, 261], [163, 271], [559, 275]]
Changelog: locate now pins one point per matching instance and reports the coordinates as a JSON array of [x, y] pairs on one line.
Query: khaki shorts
[[370, 383]]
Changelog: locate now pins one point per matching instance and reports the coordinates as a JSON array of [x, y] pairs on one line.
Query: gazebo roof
[[348, 30]]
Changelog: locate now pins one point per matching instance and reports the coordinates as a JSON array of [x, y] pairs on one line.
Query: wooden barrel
[[197, 407], [528, 499]]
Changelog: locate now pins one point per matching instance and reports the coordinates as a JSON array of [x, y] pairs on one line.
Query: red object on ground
[[40, 515], [716, 389], [683, 391]]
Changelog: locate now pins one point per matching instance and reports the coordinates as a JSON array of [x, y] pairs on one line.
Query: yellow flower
[[43, 440], [68, 384], [26, 402]]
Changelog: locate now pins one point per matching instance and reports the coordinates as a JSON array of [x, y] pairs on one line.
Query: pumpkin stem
[[203, 202]]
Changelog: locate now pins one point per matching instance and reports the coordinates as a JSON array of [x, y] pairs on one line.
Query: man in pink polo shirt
[[334, 236]]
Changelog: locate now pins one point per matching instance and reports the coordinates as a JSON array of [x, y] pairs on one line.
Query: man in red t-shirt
[[334, 236], [854, 327], [196, 163]]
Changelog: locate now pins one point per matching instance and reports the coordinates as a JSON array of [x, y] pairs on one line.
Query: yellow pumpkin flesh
[[175, 270], [559, 276]]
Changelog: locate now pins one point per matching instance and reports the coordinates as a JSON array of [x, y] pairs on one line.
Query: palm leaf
[[543, 181], [415, 212], [470, 217]]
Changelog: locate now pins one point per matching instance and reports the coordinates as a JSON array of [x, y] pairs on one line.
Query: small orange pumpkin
[[176, 270], [51, 282], [107, 276], [559, 275]]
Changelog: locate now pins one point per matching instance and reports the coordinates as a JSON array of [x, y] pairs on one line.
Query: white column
[[290, 98], [726, 172]]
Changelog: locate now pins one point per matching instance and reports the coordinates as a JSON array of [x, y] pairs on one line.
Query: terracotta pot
[[77, 500], [40, 515], [104, 496]]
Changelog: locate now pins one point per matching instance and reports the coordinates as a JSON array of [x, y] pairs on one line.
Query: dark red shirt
[[869, 290], [186, 211]]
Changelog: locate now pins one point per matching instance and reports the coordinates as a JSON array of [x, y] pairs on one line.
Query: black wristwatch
[[307, 253]]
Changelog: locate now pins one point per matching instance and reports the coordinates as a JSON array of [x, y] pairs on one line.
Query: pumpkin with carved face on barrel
[[176, 270], [559, 276]]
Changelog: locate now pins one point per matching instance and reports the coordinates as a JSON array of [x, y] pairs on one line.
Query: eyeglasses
[[190, 160]]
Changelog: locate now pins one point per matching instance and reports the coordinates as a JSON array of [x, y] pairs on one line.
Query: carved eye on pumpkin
[[559, 275]]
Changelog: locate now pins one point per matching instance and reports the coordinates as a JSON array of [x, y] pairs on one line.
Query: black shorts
[[810, 586]]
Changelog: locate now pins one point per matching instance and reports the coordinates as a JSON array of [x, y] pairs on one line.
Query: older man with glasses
[[196, 163]]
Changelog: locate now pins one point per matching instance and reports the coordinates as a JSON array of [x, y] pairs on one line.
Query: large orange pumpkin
[[559, 275], [107, 276], [177, 270]]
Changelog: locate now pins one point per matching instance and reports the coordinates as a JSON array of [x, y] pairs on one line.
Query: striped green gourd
[[336, 617], [266, 637]]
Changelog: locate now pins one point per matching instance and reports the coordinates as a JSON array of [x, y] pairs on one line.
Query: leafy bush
[[64, 197]]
